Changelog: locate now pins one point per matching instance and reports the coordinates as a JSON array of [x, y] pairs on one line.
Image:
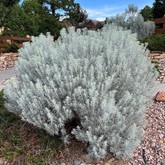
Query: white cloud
[[100, 19], [106, 11]]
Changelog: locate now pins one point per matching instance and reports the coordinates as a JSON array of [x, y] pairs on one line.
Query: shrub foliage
[[155, 42], [98, 79], [133, 21], [12, 48]]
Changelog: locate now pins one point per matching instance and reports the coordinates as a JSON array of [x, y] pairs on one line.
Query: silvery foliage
[[133, 21], [101, 78]]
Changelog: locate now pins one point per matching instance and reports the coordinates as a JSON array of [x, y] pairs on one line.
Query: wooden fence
[[160, 25], [7, 40]]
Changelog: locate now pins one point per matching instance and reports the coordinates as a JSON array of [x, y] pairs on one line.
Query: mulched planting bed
[[31, 151], [152, 148], [150, 152], [27, 145]]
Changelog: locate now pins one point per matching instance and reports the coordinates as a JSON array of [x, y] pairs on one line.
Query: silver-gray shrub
[[100, 79], [133, 21]]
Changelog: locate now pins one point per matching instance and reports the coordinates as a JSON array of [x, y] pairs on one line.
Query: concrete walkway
[[6, 74]]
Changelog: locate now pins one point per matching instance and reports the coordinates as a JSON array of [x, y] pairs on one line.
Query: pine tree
[[147, 13], [158, 8], [98, 78]]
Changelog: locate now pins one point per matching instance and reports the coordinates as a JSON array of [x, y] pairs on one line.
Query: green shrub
[[2, 100], [155, 42], [94, 81]]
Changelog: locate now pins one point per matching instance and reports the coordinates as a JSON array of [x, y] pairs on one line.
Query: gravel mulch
[[152, 148], [150, 152]]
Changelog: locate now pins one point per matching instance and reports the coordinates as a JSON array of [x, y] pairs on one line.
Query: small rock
[[160, 96], [63, 163], [153, 144], [110, 161], [162, 161], [161, 136], [99, 161], [77, 162]]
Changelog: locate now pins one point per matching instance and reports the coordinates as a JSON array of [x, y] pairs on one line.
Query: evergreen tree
[[146, 12], [44, 21], [158, 8], [76, 14], [6, 6], [55, 5], [100, 79], [33, 17], [29, 18], [19, 23], [9, 3]]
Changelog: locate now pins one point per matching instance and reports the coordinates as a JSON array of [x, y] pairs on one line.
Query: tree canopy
[[158, 8], [32, 17], [146, 12], [5, 8], [9, 3], [156, 11]]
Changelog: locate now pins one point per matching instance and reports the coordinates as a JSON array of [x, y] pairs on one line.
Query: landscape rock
[[160, 96], [63, 163], [77, 162]]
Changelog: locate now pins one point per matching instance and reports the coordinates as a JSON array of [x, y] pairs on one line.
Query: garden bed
[[22, 143]]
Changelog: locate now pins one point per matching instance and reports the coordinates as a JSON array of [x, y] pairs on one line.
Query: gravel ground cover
[[151, 151], [152, 148]]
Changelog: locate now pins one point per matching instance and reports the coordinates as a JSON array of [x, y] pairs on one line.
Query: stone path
[[7, 60], [159, 59]]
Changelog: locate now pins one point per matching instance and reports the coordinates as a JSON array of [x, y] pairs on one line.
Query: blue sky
[[100, 9]]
